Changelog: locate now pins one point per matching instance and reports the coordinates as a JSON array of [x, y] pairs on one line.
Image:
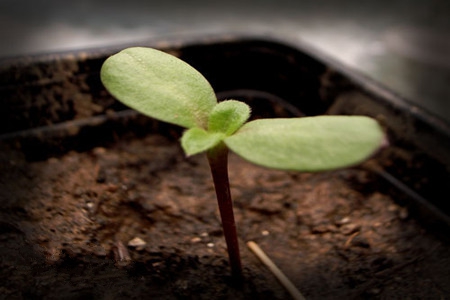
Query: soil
[[139, 220]]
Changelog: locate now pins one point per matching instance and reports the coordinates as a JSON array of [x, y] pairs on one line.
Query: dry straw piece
[[290, 287]]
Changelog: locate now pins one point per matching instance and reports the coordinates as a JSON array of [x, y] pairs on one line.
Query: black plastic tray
[[54, 103]]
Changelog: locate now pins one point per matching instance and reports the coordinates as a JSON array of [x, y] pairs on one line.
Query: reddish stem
[[218, 162]]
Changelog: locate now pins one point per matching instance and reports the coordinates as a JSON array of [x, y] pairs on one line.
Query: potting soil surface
[[140, 220]]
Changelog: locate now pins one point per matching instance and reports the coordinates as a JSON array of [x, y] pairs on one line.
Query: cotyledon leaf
[[160, 86], [308, 144]]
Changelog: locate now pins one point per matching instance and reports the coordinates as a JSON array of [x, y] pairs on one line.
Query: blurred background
[[403, 44]]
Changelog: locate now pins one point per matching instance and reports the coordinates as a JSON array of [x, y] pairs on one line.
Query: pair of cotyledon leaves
[[166, 88]]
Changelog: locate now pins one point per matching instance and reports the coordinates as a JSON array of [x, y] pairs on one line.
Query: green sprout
[[166, 88]]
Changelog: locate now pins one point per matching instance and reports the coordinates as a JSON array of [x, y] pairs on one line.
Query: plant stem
[[218, 162]]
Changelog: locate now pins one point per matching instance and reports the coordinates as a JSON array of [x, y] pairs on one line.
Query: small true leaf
[[228, 116], [196, 140], [160, 86], [307, 144]]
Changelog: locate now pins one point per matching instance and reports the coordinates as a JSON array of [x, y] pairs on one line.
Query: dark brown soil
[[67, 227]]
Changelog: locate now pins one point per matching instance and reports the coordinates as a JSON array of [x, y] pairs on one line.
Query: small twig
[[121, 254], [290, 287], [350, 239]]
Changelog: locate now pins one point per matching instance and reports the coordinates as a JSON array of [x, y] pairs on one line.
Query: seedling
[[166, 88]]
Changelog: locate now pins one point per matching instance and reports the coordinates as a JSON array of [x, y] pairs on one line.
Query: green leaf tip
[[225, 118], [228, 116], [196, 140], [160, 86], [308, 144]]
